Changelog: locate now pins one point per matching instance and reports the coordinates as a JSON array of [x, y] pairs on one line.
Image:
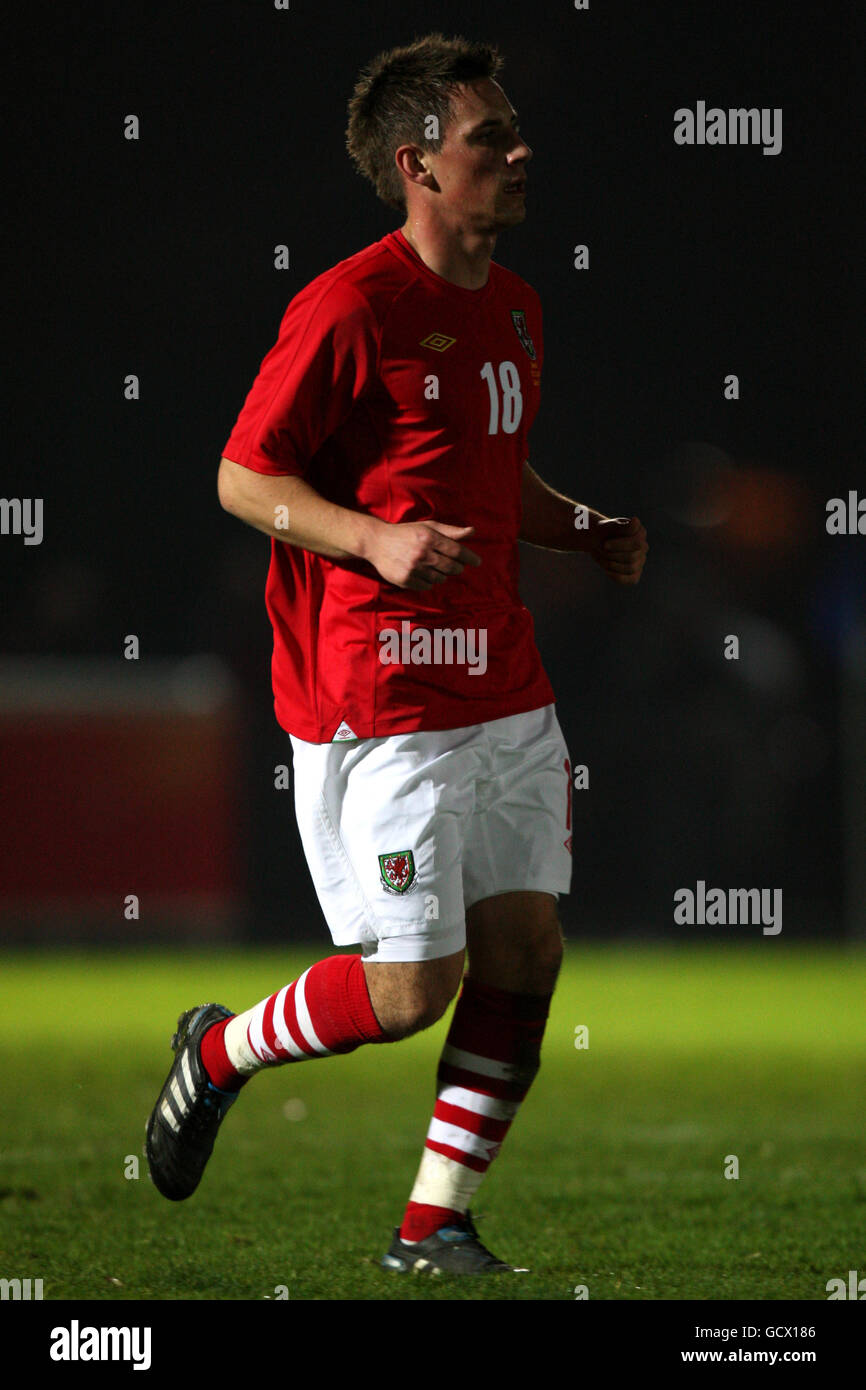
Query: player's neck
[[463, 258]]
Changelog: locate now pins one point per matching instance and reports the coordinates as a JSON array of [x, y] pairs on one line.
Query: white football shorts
[[402, 834]]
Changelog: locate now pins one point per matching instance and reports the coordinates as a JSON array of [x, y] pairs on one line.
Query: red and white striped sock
[[327, 1010], [490, 1059]]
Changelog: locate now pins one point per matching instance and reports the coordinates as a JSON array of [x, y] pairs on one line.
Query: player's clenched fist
[[620, 547], [419, 554]]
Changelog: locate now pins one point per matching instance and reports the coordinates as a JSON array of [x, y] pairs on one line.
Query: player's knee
[[553, 949], [428, 1005], [413, 1014], [416, 1015], [543, 958], [410, 1001]]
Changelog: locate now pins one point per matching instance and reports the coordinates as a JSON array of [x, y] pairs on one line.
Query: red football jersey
[[395, 393]]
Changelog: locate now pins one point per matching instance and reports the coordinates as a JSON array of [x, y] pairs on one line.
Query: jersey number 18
[[512, 400]]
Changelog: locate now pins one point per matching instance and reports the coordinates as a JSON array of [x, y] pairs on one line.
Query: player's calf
[[326, 1011]]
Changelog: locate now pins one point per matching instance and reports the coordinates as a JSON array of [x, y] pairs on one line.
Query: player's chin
[[511, 210]]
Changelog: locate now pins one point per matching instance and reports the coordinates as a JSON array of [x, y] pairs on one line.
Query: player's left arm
[[618, 544]]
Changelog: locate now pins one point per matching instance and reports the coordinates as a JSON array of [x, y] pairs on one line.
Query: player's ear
[[411, 162]]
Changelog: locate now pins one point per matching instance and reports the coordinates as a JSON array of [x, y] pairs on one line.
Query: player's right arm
[[410, 555], [324, 362]]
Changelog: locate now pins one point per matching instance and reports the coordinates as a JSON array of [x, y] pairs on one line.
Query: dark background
[[156, 257]]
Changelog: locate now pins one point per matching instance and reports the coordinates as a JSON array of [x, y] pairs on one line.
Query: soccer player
[[383, 448]]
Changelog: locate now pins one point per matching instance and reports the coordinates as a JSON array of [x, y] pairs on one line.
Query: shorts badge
[[398, 871]]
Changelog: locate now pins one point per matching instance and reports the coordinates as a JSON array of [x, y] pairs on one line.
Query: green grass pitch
[[612, 1176]]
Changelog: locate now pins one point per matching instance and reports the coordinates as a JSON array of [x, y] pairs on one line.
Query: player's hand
[[620, 547], [419, 554]]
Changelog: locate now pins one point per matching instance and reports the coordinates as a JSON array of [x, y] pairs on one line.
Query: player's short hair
[[398, 91]]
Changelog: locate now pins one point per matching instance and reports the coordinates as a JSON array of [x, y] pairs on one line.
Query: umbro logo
[[439, 342]]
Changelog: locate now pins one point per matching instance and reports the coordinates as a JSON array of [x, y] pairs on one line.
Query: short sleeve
[[323, 361]]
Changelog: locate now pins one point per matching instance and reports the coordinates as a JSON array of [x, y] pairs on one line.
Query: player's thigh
[[382, 824], [518, 854], [520, 838], [514, 941]]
